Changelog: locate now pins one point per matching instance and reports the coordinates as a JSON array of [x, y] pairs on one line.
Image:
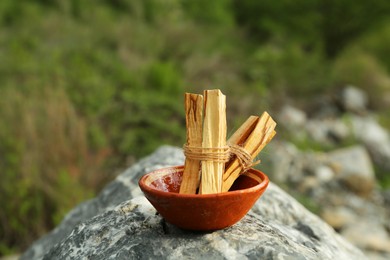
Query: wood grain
[[253, 136], [194, 115], [214, 136]]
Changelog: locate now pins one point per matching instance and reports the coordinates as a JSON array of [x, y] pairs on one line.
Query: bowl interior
[[169, 180]]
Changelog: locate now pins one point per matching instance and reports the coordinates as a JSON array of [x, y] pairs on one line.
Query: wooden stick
[[214, 136], [239, 137], [194, 114], [233, 167], [259, 137]]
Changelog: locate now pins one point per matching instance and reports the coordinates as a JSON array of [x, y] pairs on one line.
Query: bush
[[289, 20], [46, 156], [209, 12], [290, 70], [333, 24], [364, 71], [148, 114], [377, 43]]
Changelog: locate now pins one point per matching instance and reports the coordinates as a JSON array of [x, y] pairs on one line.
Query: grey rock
[[283, 163], [132, 230], [376, 237], [327, 130], [323, 107], [374, 137], [123, 188], [114, 227], [339, 217], [324, 173], [339, 185], [293, 120], [292, 117], [353, 166], [354, 99], [361, 222], [386, 200]]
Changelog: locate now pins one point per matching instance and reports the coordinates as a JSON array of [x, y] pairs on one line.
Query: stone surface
[[113, 227], [376, 237], [340, 186], [377, 140], [339, 217], [327, 131], [354, 99], [282, 165], [324, 173], [123, 188], [354, 167], [132, 230], [292, 117]]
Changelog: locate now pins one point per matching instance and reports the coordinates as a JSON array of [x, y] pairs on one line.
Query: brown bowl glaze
[[201, 212]]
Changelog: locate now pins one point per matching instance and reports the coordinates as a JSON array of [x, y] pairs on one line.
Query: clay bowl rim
[[145, 187]]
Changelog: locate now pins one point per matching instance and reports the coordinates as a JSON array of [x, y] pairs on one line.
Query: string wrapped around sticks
[[221, 154], [243, 156]]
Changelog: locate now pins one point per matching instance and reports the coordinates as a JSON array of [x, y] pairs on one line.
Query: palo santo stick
[[194, 114], [258, 138], [239, 137], [214, 136]]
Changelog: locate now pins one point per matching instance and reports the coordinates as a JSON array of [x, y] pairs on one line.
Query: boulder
[[327, 131], [292, 117], [132, 230], [123, 188], [353, 99], [283, 163], [324, 173], [115, 225], [338, 185], [353, 166], [374, 137], [375, 238]]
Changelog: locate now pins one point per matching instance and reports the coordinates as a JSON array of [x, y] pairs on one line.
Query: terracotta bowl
[[201, 212]]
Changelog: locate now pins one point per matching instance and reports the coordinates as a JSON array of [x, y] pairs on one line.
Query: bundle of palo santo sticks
[[213, 164]]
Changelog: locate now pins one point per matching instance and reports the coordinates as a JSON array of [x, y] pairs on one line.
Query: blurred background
[[89, 87]]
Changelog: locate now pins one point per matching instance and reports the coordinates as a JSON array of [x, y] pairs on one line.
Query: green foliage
[[45, 148], [209, 12], [307, 202], [383, 177], [362, 69], [290, 20], [152, 118], [290, 70], [331, 24], [344, 21], [384, 119], [377, 43], [163, 77]]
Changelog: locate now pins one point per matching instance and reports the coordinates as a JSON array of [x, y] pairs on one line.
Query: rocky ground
[[339, 185], [121, 224]]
